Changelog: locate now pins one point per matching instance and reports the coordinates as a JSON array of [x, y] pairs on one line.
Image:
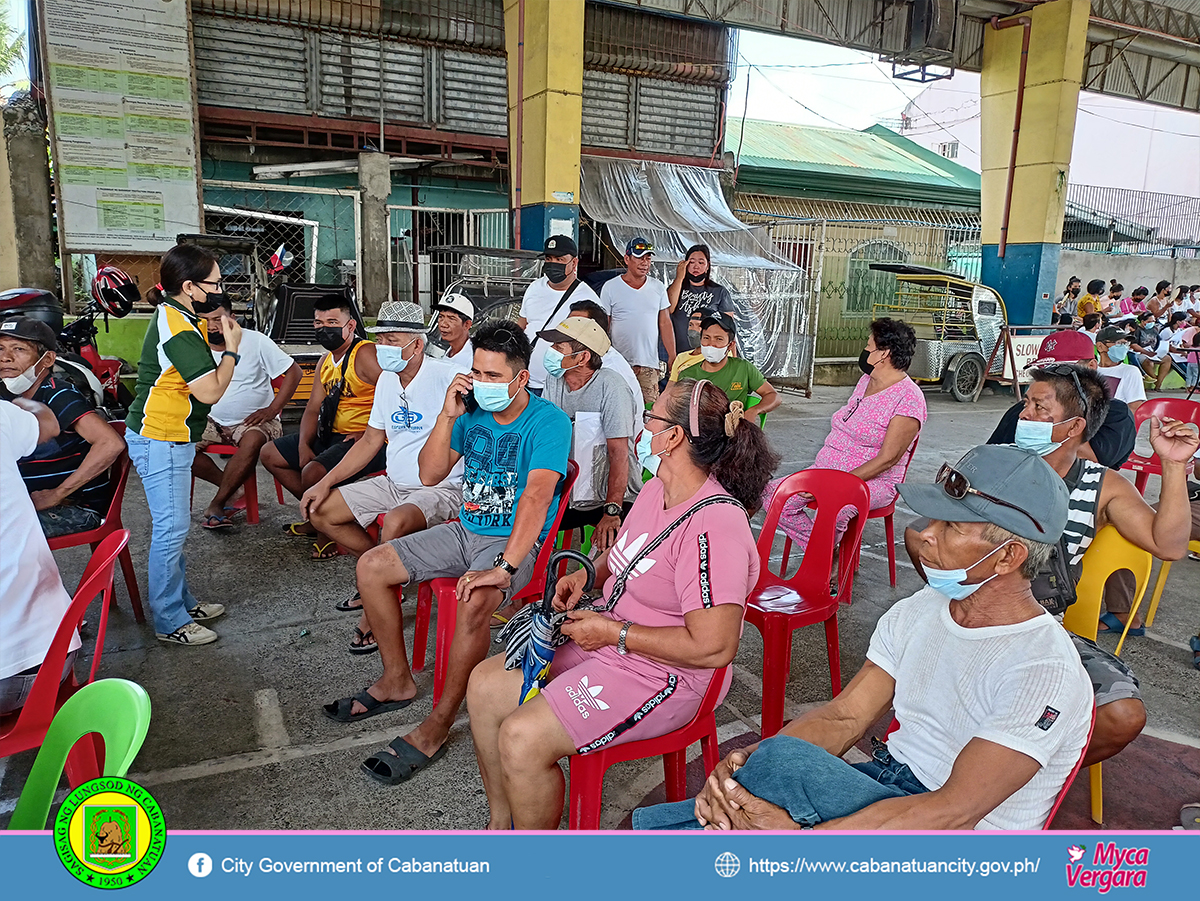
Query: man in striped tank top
[[1063, 408]]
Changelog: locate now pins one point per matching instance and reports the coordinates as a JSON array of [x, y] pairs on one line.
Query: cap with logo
[[578, 328], [1005, 472], [1067, 346], [638, 247], [459, 303], [399, 316], [29, 330], [560, 246], [716, 317]]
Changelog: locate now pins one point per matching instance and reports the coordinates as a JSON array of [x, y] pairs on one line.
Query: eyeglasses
[[1065, 369], [957, 486], [219, 284], [647, 416]]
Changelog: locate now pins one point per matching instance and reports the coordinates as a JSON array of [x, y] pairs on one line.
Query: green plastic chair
[[117, 709], [753, 401]]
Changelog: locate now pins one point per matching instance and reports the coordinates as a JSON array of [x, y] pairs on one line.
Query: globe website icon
[[727, 864]]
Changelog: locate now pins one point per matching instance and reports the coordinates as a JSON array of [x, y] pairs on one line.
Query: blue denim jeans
[[166, 471], [808, 782]]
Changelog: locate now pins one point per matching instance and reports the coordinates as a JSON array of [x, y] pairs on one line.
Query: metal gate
[[420, 274]]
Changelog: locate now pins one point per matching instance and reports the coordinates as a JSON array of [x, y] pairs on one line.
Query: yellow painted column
[[544, 43], [1026, 274]]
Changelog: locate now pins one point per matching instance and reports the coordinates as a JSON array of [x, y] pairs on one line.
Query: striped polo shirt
[[174, 354]]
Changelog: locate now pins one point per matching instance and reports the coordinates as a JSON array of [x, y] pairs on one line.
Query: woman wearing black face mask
[[177, 384], [694, 289]]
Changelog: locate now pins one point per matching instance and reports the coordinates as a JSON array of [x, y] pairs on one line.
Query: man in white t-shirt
[[408, 396], [246, 416], [992, 703], [1112, 345], [455, 313], [640, 311], [547, 300], [32, 598]]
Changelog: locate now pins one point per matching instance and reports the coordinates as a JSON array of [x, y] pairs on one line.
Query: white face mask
[[19, 384], [713, 354]]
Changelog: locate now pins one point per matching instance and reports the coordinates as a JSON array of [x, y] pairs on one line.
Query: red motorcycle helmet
[[114, 291]]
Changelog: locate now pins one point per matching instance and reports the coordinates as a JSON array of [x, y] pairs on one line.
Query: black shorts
[[329, 454]]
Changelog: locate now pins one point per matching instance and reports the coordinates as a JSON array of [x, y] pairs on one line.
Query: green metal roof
[[876, 164]]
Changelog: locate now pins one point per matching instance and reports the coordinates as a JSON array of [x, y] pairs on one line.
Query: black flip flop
[[392, 769], [363, 647], [340, 710], [344, 606]]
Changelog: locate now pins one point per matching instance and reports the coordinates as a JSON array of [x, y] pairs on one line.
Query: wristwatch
[[621, 638], [504, 564], [237, 358], [612, 509]]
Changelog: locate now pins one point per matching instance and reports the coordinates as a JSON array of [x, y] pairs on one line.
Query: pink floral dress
[[856, 437]]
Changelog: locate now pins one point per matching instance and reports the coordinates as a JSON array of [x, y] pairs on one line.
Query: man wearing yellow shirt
[[335, 417]]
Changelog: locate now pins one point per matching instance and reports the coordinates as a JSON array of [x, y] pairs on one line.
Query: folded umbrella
[[532, 635]]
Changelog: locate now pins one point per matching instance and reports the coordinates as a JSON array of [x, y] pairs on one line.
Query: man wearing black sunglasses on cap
[[992, 704], [1063, 408]]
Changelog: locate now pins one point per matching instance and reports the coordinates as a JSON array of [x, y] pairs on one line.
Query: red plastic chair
[[889, 527], [778, 607], [27, 727], [250, 486], [118, 476], [1175, 408], [1062, 792], [587, 770], [447, 600]]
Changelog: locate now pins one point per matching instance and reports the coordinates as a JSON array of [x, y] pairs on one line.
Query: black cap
[[560, 245], [716, 317], [29, 330], [1111, 335]]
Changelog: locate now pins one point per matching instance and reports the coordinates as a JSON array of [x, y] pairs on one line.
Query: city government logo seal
[[110, 833]]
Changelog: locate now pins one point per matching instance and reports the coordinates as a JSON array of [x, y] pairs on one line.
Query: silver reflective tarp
[[677, 206]]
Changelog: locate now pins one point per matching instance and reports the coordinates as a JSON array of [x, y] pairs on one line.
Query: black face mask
[[866, 367], [217, 338], [697, 281], [331, 337], [554, 272], [693, 340], [207, 305]]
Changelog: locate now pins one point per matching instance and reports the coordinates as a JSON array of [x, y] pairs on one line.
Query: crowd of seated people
[[463, 457]]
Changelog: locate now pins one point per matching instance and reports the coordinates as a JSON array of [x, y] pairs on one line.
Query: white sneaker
[[204, 612], [190, 634]]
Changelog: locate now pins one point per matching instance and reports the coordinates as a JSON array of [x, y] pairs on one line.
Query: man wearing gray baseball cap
[[992, 703]]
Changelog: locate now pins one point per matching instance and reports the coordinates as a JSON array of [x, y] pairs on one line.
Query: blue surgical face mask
[[1035, 437], [493, 396], [1118, 352], [391, 358], [646, 457], [553, 361], [950, 581]]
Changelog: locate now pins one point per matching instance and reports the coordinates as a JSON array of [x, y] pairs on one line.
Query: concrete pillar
[[28, 251], [374, 277], [1025, 276], [545, 116]]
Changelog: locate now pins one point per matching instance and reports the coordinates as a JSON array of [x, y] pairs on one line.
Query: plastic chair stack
[[117, 479], [117, 710], [1108, 553], [779, 606], [587, 770], [27, 727], [1172, 407], [444, 590]]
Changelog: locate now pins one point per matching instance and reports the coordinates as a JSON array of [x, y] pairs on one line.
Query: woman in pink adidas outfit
[[639, 669]]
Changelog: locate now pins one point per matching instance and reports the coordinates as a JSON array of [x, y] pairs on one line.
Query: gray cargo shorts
[[449, 550], [1111, 679]]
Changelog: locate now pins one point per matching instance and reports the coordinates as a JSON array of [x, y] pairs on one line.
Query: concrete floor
[[238, 741]]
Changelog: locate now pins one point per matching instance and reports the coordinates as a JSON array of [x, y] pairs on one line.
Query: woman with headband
[[675, 586]]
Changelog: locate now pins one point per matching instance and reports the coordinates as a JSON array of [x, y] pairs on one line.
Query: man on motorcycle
[[67, 476]]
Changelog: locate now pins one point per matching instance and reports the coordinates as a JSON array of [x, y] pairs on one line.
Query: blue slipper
[[1195, 643], [1116, 627]]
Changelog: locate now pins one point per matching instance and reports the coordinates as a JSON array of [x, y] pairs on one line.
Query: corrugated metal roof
[[775, 145]]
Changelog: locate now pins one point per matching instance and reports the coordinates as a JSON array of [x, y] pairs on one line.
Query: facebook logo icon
[[200, 865]]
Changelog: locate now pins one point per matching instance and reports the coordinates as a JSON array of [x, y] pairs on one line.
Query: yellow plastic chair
[[1107, 554], [1161, 583]]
